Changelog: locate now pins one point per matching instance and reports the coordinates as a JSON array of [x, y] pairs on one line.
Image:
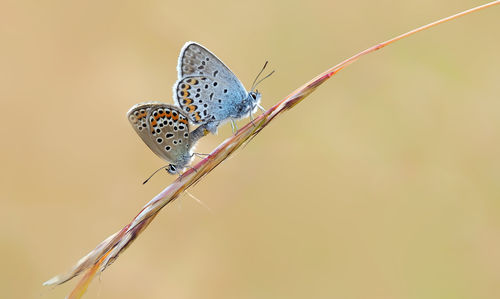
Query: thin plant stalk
[[108, 250]]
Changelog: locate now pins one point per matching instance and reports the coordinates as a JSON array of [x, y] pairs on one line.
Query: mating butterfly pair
[[207, 94]]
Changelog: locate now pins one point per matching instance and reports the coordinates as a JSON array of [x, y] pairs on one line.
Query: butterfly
[[165, 130], [208, 92]]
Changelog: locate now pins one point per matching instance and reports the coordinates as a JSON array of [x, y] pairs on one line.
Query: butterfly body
[[165, 130], [207, 91]]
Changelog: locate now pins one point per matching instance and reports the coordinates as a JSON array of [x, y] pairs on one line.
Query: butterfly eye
[[172, 169], [253, 96]]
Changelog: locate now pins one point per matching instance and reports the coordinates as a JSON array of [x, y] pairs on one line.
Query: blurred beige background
[[382, 184]]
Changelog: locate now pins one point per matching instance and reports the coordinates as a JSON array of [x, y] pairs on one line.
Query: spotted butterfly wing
[[206, 90], [164, 129], [208, 99]]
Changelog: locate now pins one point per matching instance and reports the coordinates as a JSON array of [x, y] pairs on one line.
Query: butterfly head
[[249, 104], [180, 162], [172, 169], [254, 97]]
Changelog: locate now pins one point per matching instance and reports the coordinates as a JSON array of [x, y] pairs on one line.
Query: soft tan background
[[383, 184]]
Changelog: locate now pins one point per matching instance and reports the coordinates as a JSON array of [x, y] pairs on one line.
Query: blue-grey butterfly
[[165, 130], [208, 91]]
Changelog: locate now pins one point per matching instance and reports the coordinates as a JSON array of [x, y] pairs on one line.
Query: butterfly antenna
[[263, 68], [264, 78], [154, 174]]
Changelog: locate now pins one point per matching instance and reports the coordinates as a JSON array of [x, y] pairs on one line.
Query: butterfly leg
[[233, 125], [251, 118], [200, 155], [261, 108], [182, 174], [194, 169]]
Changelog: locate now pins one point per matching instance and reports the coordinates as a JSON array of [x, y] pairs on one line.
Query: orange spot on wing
[[197, 116], [153, 123], [183, 121]]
